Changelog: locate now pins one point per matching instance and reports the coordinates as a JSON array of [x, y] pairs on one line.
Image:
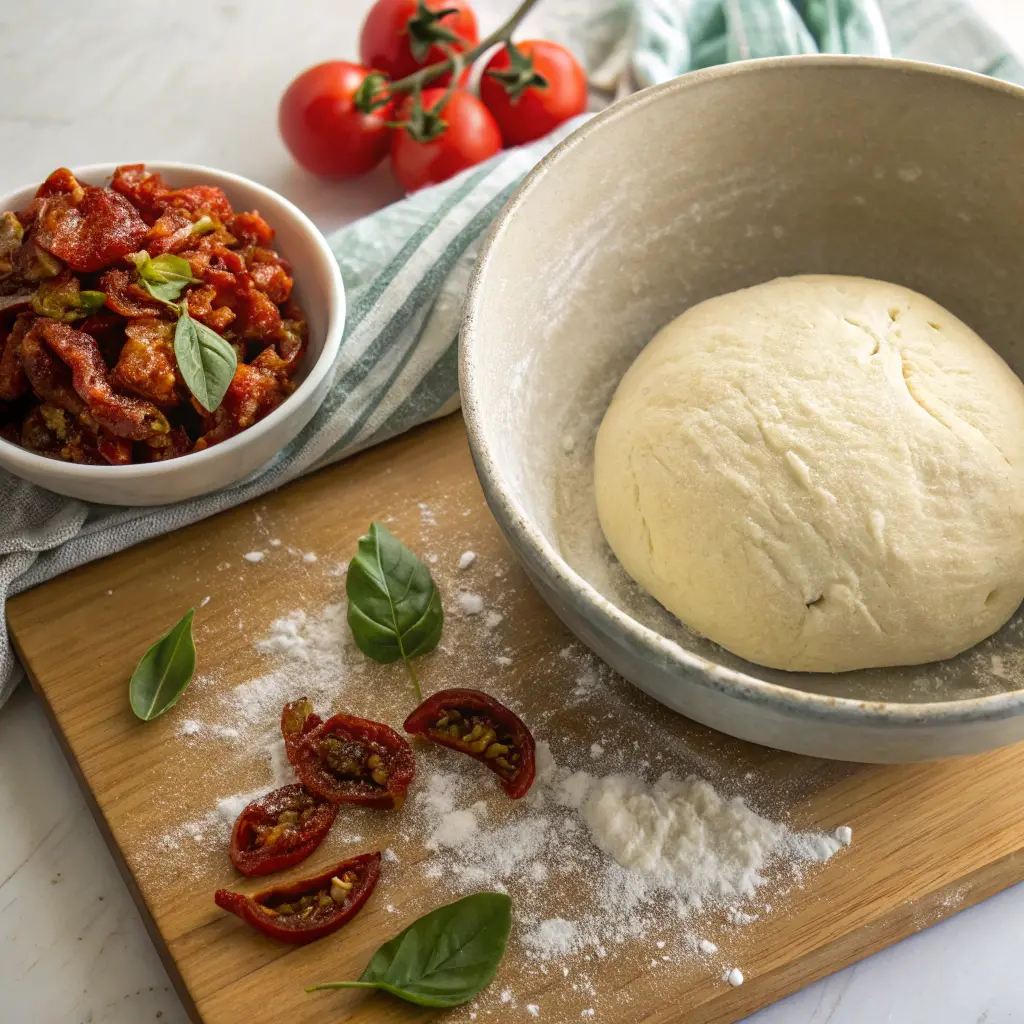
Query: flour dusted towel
[[406, 267]]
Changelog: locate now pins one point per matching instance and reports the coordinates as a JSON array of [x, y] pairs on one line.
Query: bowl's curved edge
[[90, 476], [995, 720]]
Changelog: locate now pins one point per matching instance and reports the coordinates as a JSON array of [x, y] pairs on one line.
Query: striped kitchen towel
[[406, 267]]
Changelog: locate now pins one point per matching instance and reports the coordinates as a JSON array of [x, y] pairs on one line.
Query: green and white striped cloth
[[406, 267]]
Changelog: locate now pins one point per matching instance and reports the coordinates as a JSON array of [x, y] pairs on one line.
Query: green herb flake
[[394, 608], [60, 299], [164, 671], [204, 225], [165, 277], [443, 959], [206, 361]]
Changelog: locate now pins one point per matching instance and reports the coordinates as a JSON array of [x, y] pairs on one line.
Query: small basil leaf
[[394, 609], [165, 277], [206, 361], [445, 958], [164, 671]]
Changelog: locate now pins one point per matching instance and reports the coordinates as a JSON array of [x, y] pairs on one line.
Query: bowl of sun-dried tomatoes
[[165, 329]]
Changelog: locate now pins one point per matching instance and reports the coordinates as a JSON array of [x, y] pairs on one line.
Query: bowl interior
[[317, 289], [715, 182]]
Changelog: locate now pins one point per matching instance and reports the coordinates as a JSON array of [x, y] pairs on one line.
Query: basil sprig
[[165, 277], [164, 671], [394, 608], [206, 361], [443, 959]]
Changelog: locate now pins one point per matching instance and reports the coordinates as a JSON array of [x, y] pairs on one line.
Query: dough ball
[[820, 474]]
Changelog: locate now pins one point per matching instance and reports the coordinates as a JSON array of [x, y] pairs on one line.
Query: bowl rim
[[889, 715], [14, 458]]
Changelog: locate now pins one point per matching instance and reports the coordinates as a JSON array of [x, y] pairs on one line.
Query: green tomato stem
[[415, 680], [502, 34]]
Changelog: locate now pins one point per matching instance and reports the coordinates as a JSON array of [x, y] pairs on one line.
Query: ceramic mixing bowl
[[715, 181]]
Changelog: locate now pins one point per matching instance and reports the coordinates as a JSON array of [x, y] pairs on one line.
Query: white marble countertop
[[97, 83]]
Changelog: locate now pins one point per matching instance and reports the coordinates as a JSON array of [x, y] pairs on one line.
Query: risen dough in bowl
[[820, 474]]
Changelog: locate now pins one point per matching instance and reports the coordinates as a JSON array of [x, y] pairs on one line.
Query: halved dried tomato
[[280, 829], [302, 911], [477, 724], [347, 759], [90, 232]]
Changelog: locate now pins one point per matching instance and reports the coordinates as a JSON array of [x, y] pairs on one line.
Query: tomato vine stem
[[501, 34]]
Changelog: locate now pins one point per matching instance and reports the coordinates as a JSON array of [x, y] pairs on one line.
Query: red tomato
[[322, 127], [538, 109], [471, 136], [391, 45]]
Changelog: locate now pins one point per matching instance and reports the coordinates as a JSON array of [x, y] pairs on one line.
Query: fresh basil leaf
[[443, 959], [164, 671], [165, 277], [206, 361], [90, 302], [394, 609]]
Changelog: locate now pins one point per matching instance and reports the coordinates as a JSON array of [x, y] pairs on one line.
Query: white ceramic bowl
[[321, 295], [715, 181]]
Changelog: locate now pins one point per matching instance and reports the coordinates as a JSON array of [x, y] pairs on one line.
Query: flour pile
[[612, 853]]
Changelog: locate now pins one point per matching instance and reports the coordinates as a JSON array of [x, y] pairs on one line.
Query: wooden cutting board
[[928, 839]]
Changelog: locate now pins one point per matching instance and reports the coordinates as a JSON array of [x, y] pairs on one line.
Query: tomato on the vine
[[401, 36], [531, 88], [322, 127], [470, 135]]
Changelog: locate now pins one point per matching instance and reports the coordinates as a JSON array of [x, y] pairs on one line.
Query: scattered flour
[[844, 834], [191, 727], [734, 977], [503, 661], [707, 947], [469, 603], [309, 557], [492, 620], [466, 559], [254, 556], [205, 601]]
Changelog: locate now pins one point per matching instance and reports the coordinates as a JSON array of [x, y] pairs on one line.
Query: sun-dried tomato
[[91, 233], [108, 330], [297, 719], [13, 381], [171, 232], [251, 228], [59, 182], [348, 759], [123, 415], [271, 273], [476, 724], [309, 909], [126, 298], [252, 393], [49, 377], [142, 187], [171, 445], [201, 307], [116, 450], [11, 236], [33, 263], [147, 365], [198, 199], [280, 829], [258, 318]]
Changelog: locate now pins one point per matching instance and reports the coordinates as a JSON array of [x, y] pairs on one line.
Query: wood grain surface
[[928, 839]]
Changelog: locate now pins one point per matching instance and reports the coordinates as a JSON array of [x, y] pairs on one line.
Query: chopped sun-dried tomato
[[171, 445], [252, 393], [123, 415], [171, 232], [146, 365], [309, 909], [251, 228], [270, 273], [49, 377], [90, 233], [348, 759], [116, 450], [126, 298], [13, 381], [476, 724], [280, 829]]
